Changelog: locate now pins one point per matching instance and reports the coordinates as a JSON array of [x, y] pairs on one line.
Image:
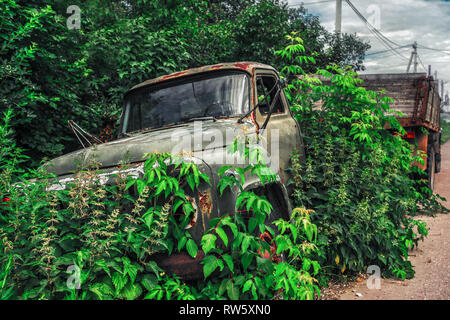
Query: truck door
[[282, 131]]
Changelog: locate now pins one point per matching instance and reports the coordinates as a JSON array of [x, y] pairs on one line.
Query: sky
[[403, 22]]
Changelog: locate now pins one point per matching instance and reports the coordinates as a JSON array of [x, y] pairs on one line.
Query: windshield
[[218, 95]]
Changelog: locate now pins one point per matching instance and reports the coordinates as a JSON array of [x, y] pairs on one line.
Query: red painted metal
[[272, 255], [410, 135], [245, 66]]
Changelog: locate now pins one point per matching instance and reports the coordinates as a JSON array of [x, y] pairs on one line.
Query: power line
[[392, 46], [388, 50], [383, 39], [385, 54], [309, 3], [438, 50], [361, 16]]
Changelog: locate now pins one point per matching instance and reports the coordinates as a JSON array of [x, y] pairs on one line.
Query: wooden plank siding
[[414, 94]]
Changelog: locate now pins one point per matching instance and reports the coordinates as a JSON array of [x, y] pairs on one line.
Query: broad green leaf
[[229, 261], [119, 280], [208, 242], [222, 235], [131, 291], [192, 248]]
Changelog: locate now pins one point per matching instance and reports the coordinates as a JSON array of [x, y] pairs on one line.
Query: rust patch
[[173, 75], [272, 255], [194, 218], [217, 66], [205, 202], [253, 120], [245, 66], [242, 65]]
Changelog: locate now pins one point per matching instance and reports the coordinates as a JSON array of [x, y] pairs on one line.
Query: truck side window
[[263, 85]]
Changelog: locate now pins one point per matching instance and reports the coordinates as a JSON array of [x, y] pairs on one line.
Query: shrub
[[356, 174], [91, 240]]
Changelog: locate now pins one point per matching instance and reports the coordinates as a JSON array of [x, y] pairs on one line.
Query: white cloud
[[402, 21]]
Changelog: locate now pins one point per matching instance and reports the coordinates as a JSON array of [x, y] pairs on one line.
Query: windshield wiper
[[280, 85], [259, 103]]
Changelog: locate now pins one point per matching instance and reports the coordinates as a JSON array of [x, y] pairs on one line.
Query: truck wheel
[[279, 212], [274, 196], [431, 168], [438, 163]]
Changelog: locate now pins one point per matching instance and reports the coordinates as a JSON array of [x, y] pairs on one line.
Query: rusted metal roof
[[244, 65]]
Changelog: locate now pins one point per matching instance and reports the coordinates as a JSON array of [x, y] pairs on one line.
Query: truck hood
[[189, 137]]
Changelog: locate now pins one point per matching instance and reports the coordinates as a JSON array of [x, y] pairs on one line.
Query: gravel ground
[[431, 260]]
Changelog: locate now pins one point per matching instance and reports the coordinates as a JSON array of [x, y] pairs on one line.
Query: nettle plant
[[255, 259], [92, 240], [106, 234], [357, 173]]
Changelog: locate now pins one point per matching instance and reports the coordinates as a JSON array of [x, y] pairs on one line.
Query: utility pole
[[338, 22], [413, 56]]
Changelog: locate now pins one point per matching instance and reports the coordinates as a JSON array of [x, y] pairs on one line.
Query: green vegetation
[[354, 196], [107, 237], [51, 74], [445, 125], [356, 176]]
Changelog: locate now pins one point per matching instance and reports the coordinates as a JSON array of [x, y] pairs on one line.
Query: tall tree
[[50, 73]]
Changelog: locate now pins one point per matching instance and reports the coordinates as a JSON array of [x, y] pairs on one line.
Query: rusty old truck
[[217, 103], [416, 97]]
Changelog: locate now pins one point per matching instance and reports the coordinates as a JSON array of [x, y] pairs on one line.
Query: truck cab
[[197, 113]]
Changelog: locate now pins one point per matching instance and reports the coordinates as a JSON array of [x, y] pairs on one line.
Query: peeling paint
[[245, 66], [195, 217], [205, 202], [205, 206]]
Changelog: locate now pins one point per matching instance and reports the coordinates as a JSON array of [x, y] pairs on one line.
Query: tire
[[431, 168], [279, 212], [438, 163]]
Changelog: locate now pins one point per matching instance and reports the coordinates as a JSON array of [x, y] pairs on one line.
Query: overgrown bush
[[267, 260], [91, 240], [51, 73], [445, 125], [356, 178], [356, 175]]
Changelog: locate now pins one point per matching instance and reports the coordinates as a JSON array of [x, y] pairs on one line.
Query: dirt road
[[431, 260]]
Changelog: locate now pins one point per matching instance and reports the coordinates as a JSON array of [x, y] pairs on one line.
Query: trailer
[[416, 96]]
